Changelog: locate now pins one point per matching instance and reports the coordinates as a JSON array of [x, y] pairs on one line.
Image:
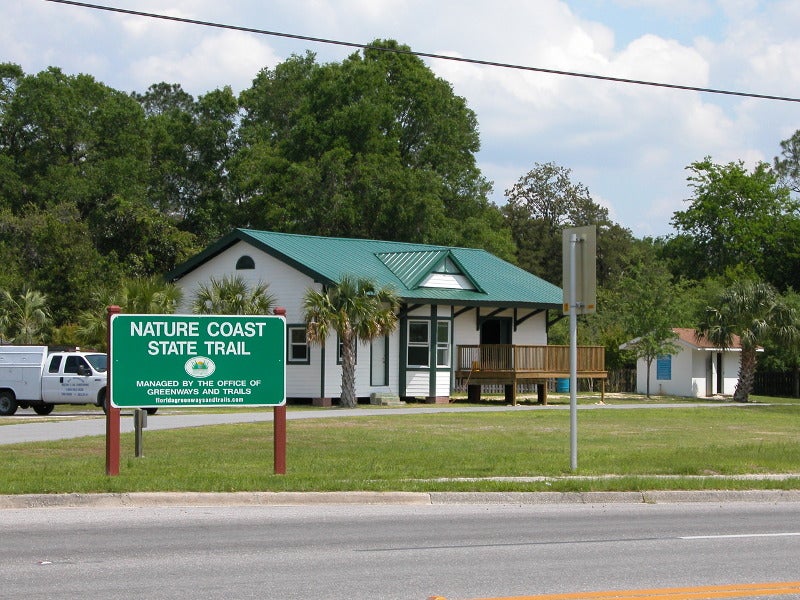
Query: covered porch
[[509, 364]]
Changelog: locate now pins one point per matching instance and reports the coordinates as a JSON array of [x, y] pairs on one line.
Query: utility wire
[[473, 61]]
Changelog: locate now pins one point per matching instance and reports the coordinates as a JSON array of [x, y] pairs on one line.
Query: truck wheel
[[151, 411], [8, 404], [43, 409]]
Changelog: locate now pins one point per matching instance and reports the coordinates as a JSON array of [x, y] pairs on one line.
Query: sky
[[629, 145]]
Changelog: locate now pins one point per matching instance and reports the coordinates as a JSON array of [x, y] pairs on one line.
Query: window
[[245, 262], [73, 363], [298, 351], [447, 275], [98, 361], [340, 349], [664, 367], [55, 363], [419, 343], [443, 344]]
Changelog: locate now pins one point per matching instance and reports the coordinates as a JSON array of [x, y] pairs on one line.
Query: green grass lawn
[[632, 449]]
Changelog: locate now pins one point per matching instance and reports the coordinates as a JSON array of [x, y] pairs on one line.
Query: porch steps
[[385, 399]]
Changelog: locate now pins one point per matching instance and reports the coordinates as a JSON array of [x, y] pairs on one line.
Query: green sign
[[191, 360]]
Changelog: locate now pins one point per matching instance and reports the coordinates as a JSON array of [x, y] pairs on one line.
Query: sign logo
[[200, 367]]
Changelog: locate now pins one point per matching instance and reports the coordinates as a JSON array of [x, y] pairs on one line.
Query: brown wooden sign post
[[112, 414], [279, 427]]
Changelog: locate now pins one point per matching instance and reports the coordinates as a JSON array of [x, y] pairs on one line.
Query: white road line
[[739, 535]]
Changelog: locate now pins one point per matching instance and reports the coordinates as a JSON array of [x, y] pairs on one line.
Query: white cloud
[[685, 8], [227, 58], [141, 28], [653, 58], [629, 144]]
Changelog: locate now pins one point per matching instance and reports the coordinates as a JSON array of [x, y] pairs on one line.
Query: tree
[[73, 139], [23, 316], [754, 311], [139, 295], [780, 357], [191, 144], [645, 299], [787, 165], [655, 343], [541, 204], [10, 183], [736, 217], [546, 193], [355, 310], [52, 251], [142, 240], [232, 296], [376, 146], [74, 159], [538, 207]]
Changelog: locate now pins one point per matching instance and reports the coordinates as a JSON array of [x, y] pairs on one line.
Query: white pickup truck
[[31, 376]]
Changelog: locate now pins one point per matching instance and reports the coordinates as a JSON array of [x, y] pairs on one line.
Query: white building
[[699, 369], [450, 296]]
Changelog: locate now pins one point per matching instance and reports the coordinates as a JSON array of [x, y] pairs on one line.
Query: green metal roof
[[400, 265], [411, 267]]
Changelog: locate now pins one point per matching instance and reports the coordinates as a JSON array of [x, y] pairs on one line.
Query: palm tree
[[150, 296], [232, 296], [4, 322], [355, 310], [754, 311], [25, 315], [141, 295]]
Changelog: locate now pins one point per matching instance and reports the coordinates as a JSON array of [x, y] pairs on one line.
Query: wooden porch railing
[[507, 364], [542, 361]]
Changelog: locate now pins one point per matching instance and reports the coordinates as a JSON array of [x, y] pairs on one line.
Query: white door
[[378, 354]]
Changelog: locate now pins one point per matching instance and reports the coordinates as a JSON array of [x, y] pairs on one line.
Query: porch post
[[473, 393], [511, 393], [541, 391]]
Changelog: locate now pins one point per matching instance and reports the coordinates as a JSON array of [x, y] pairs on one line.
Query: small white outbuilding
[[698, 370]]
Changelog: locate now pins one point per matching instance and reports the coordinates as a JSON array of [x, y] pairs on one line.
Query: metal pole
[[139, 423], [573, 353]]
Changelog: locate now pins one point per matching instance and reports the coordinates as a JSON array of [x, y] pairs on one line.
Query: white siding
[[418, 383], [443, 383], [689, 374], [302, 381], [531, 332], [465, 332], [682, 382], [423, 312], [697, 381], [285, 283], [333, 371], [448, 281], [730, 371], [305, 381]]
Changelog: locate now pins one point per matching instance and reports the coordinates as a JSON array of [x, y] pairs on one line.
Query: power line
[[473, 61]]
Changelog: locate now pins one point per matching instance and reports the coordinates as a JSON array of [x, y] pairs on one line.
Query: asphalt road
[[386, 552]]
